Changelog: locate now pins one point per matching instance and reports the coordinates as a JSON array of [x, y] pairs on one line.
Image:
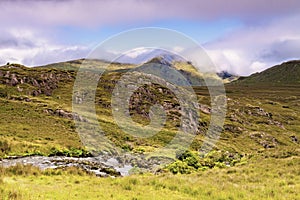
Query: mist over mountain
[[140, 56]]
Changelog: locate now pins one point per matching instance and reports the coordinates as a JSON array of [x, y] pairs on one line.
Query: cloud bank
[[32, 48], [104, 12], [269, 33], [255, 48]]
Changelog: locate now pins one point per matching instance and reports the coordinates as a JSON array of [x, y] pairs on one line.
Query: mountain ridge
[[284, 73]]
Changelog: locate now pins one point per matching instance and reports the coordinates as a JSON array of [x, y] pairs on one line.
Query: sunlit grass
[[259, 179]]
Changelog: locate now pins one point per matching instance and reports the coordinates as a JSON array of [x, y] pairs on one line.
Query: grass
[[37, 132], [260, 179], [260, 121], [285, 73], [28, 130]]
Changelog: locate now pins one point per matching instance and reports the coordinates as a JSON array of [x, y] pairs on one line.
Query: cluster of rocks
[[65, 114], [260, 112], [20, 98], [42, 83], [155, 91], [152, 94], [179, 104], [97, 165], [264, 139], [233, 129]]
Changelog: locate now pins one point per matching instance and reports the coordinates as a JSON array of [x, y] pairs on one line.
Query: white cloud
[[31, 48], [270, 35], [255, 48], [134, 53], [95, 13]]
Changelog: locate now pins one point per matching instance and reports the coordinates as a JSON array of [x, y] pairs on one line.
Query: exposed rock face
[[43, 82], [145, 96], [149, 90], [13, 81]]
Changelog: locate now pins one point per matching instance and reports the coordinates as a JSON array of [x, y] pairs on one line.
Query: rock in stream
[[98, 165]]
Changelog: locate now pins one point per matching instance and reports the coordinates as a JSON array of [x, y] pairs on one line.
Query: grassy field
[[261, 178]]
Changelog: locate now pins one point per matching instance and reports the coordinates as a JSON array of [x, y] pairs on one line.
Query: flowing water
[[98, 165]]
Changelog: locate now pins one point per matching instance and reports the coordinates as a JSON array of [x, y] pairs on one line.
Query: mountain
[[226, 76], [162, 64], [36, 105], [160, 56], [162, 60], [287, 73], [140, 56]]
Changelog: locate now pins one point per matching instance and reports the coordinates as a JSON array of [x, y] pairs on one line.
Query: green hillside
[[257, 154], [37, 105], [285, 73]]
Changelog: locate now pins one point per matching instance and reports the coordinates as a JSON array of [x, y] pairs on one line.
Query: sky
[[240, 36]]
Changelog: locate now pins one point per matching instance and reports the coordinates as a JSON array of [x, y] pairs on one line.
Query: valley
[[256, 156]]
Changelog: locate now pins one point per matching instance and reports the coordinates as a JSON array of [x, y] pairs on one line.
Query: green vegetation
[[285, 73], [268, 178], [256, 157], [189, 162]]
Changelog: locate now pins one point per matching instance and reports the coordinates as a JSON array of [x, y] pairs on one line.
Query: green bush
[[179, 167], [188, 161], [72, 152]]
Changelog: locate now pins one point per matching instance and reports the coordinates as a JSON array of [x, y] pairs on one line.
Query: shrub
[[179, 167], [190, 159], [72, 152]]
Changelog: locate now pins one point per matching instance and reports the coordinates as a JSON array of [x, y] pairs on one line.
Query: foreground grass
[[260, 179]]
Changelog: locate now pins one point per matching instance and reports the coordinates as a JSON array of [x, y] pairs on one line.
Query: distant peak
[[160, 60], [287, 73], [224, 74]]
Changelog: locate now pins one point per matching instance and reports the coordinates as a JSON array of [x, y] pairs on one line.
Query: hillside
[[37, 105], [257, 154], [287, 73]]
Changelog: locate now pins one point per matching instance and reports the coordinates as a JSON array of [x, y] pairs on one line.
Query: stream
[[101, 166]]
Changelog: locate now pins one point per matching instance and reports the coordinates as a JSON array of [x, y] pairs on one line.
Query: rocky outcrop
[[65, 114], [205, 109], [146, 90], [257, 111], [39, 81], [264, 139]]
